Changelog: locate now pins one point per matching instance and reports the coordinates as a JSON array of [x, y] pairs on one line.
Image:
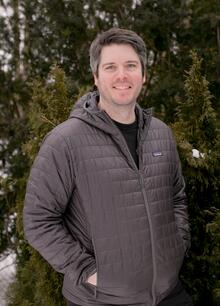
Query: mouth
[[122, 87]]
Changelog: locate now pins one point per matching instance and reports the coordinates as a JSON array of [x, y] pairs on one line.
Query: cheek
[[138, 80], [105, 81], [137, 76]]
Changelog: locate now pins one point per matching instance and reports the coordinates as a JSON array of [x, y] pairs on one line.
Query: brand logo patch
[[158, 153]]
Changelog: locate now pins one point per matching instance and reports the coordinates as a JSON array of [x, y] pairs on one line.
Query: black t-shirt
[[129, 131]]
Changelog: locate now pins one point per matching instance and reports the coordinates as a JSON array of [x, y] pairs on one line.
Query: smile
[[121, 87]]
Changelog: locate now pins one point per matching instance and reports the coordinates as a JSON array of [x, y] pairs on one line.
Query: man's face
[[120, 78]]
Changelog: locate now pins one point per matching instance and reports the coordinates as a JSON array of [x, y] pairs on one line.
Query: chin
[[123, 103], [123, 100]]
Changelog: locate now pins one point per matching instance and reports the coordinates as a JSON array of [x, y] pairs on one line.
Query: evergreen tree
[[197, 133], [35, 34], [13, 97], [36, 282], [205, 19], [161, 24]]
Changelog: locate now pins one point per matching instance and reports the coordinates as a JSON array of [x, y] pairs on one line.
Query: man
[[105, 202]]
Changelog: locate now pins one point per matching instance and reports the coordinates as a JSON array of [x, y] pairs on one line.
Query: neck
[[122, 113]]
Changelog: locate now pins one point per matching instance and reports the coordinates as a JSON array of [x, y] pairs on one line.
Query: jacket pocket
[[90, 288], [181, 247]]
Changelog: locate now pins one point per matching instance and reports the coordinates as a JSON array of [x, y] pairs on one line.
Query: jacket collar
[[86, 109]]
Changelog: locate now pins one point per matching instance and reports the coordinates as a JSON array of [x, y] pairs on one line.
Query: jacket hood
[[86, 109]]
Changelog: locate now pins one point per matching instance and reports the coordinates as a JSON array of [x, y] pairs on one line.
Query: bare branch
[[45, 119]]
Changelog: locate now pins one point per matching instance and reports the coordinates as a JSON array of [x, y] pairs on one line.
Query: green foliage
[[13, 164], [197, 129], [49, 106], [37, 34], [161, 23], [212, 251], [203, 131], [205, 19], [37, 283], [197, 126]]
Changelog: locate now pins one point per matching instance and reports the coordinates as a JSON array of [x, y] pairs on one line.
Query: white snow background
[[7, 273]]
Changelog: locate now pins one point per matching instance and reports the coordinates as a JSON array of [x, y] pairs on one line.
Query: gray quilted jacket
[[89, 208]]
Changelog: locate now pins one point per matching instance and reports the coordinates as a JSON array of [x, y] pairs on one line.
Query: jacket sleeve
[[180, 202], [50, 186]]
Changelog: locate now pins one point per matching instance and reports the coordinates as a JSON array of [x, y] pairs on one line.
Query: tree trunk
[[218, 38]]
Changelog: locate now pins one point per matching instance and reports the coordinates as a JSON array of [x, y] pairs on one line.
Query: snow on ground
[[7, 272], [197, 154]]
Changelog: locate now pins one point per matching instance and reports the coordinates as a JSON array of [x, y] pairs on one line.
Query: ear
[[95, 79], [145, 78]]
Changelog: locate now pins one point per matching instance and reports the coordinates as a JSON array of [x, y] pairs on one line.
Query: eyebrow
[[106, 64], [127, 62], [132, 61]]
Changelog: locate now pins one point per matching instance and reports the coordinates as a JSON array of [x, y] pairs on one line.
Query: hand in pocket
[[92, 279]]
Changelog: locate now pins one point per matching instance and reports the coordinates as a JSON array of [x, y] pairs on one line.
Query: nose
[[122, 73]]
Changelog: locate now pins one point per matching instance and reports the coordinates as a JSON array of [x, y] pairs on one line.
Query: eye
[[110, 68], [131, 66]]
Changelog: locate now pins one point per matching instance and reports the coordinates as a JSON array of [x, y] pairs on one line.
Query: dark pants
[[178, 297]]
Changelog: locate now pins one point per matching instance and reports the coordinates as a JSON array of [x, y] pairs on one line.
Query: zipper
[[151, 237], [139, 151], [141, 180]]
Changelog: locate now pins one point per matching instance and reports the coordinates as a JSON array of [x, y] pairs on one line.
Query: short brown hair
[[116, 36]]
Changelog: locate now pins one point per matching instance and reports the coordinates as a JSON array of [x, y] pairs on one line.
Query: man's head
[[120, 37], [118, 61]]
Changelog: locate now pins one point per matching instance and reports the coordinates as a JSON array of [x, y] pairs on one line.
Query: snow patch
[[197, 154], [7, 274]]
